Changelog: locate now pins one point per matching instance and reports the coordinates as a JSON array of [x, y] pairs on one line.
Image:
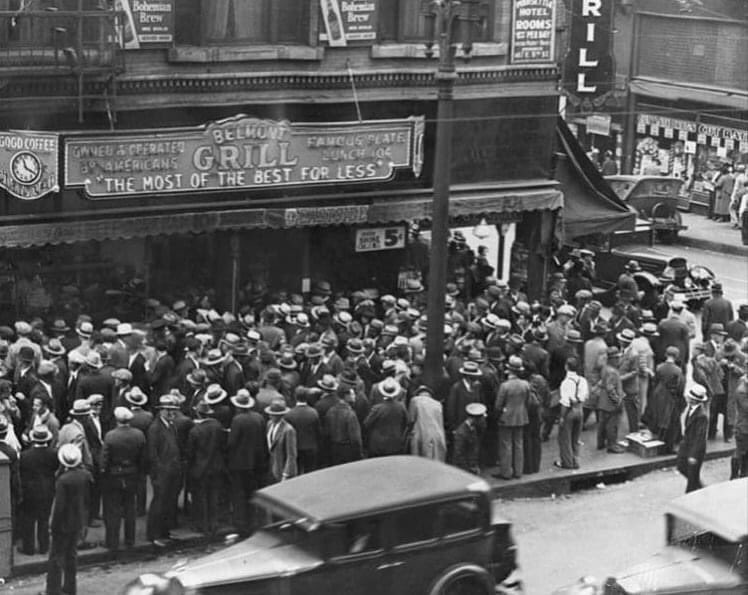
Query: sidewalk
[[595, 467], [706, 234]]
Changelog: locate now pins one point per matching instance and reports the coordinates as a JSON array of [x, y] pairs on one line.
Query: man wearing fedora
[[666, 403], [425, 415], [246, 454], [93, 382], [37, 466], [716, 309], [281, 441], [733, 361], [630, 371], [595, 350], [467, 389], [313, 368], [187, 364], [123, 464], [714, 348], [693, 446], [205, 465], [74, 432], [511, 411], [161, 371], [610, 402], [342, 429], [673, 331], [164, 468], [385, 426], [68, 520]]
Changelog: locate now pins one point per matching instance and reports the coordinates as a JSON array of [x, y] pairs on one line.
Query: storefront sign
[[533, 31], [146, 23], [243, 153], [588, 68], [380, 238], [349, 22], [598, 124], [684, 127], [343, 215], [28, 164]]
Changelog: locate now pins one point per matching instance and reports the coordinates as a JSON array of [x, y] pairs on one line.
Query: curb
[[101, 555], [735, 250], [572, 481]]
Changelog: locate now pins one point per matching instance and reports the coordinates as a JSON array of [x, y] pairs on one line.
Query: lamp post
[[448, 23]]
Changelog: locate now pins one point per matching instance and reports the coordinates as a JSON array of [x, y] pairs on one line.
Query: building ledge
[[247, 53], [418, 50]]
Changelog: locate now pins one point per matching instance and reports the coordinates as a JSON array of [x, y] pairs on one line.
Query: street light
[[448, 23]]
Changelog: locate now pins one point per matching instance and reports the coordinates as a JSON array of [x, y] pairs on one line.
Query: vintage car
[[654, 198], [707, 549], [389, 525], [692, 284]]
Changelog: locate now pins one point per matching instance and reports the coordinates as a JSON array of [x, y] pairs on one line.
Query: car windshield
[[281, 523], [696, 538]]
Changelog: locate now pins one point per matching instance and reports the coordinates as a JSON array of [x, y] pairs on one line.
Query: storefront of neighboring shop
[[233, 208]]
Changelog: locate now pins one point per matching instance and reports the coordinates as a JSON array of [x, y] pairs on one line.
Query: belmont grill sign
[[243, 153], [589, 65]]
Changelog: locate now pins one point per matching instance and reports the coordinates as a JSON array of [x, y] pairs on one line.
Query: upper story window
[[403, 21], [205, 22]]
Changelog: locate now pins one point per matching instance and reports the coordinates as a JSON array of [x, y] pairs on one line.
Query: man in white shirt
[[574, 391]]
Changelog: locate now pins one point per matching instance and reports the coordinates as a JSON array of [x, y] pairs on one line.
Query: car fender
[[459, 571]]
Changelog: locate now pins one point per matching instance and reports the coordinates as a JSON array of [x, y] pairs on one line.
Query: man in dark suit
[[136, 364], [187, 365], [206, 467], [386, 423], [717, 309], [466, 390], [76, 361], [511, 410], [165, 470], [160, 377], [693, 446], [281, 439], [468, 438], [534, 355], [246, 457], [95, 428], [314, 368], [738, 328], [305, 421], [68, 520], [93, 382], [673, 333], [122, 464], [233, 373], [38, 465]]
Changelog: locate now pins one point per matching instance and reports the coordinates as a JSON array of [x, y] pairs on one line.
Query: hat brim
[[60, 329], [465, 372], [236, 403], [288, 366], [623, 339], [137, 402], [700, 399], [80, 413], [217, 399], [283, 411]]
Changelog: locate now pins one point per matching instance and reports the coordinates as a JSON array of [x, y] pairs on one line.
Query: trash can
[[6, 532]]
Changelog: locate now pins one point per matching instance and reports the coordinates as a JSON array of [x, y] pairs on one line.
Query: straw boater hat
[[277, 408], [69, 455], [697, 393], [136, 397], [389, 388], [81, 408], [476, 409], [242, 399], [122, 415], [168, 402], [328, 383], [40, 435], [574, 336], [197, 377], [649, 329], [626, 336], [85, 330], [515, 364], [213, 358], [54, 348], [470, 369], [214, 394], [287, 361]]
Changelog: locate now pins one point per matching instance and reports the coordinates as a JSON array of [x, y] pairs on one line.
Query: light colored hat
[[476, 409], [676, 304], [54, 347], [22, 327], [40, 435], [389, 387], [122, 374], [95, 399], [81, 407], [214, 394], [213, 358], [93, 360], [698, 393], [168, 402], [124, 329], [85, 329], [515, 363], [470, 369], [69, 455], [242, 399], [328, 383], [122, 414], [277, 407], [136, 396], [46, 368]]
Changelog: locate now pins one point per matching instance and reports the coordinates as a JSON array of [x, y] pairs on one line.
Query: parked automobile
[[706, 552], [692, 284], [654, 198], [385, 525]]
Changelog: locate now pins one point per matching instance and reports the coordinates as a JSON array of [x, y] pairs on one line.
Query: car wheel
[[468, 585]]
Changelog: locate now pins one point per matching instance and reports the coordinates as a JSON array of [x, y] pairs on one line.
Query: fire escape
[[64, 38]]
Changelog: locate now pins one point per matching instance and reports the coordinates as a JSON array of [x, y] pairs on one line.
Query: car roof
[[720, 508], [633, 178], [370, 486]]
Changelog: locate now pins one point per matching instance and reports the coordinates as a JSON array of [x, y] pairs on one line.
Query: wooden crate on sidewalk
[[644, 445]]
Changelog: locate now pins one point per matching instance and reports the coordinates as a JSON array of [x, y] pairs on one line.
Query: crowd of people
[[208, 407]]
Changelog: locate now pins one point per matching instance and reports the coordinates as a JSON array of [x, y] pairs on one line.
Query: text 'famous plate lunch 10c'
[[243, 153]]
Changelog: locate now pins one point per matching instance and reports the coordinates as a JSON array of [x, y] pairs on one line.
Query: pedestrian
[[573, 392], [511, 410], [739, 463], [716, 310], [123, 464], [281, 439], [68, 520], [37, 467], [693, 446], [468, 438], [205, 458], [531, 439], [95, 429], [385, 426], [595, 351], [666, 403], [466, 390], [427, 438], [246, 458], [610, 403], [630, 371], [164, 469], [673, 332], [343, 432], [74, 432], [733, 362], [305, 421], [737, 329]]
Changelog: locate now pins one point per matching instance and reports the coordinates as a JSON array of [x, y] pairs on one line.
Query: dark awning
[[590, 205], [468, 200]]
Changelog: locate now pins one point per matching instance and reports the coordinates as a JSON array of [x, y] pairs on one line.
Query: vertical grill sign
[[589, 66], [533, 28]]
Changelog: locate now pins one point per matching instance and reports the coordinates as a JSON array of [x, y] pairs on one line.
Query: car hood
[[260, 556], [677, 570]]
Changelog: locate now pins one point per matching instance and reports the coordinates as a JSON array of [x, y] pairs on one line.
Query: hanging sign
[[243, 153], [349, 22], [146, 23], [533, 31], [380, 238], [28, 163], [589, 66], [598, 124]]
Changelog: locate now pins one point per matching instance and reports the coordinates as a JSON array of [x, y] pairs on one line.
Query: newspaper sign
[[242, 153], [533, 31], [28, 163], [146, 23], [348, 22], [380, 238]]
